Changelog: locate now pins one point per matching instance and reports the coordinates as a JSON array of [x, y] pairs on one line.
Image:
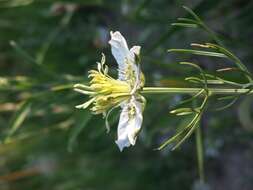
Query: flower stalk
[[200, 154], [213, 91]]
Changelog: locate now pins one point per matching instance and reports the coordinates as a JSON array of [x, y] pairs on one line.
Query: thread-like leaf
[[197, 52], [188, 25], [85, 118], [18, 118]]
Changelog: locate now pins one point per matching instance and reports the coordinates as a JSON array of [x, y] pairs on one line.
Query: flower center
[[104, 84], [108, 92]]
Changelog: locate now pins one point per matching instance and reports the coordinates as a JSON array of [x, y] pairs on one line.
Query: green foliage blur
[[45, 143]]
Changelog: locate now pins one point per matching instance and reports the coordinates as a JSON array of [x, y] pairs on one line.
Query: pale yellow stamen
[[105, 91]]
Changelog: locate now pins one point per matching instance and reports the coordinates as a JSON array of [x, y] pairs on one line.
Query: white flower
[[129, 70], [107, 93]]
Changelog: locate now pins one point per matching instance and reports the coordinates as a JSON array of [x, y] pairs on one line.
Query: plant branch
[[200, 154], [213, 91]]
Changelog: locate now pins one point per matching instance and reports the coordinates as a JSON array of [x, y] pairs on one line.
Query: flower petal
[[128, 70], [129, 124], [136, 50], [135, 122], [120, 52], [123, 140]]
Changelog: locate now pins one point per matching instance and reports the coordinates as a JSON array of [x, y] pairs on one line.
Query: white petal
[[123, 140], [136, 50], [135, 123], [120, 50], [124, 57], [129, 125]]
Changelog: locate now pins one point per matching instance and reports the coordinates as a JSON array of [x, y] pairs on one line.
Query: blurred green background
[[47, 46]]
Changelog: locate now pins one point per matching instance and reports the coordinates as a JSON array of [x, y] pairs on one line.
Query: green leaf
[[179, 134], [187, 20], [183, 111], [188, 131], [232, 102], [194, 15], [246, 73], [200, 70], [229, 55], [18, 119], [84, 119], [188, 25], [193, 97], [197, 52], [22, 52], [14, 3]]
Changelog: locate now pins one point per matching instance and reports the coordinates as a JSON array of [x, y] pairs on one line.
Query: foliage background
[[46, 46]]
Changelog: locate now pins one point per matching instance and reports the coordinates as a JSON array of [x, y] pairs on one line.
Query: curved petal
[[129, 124], [135, 122], [120, 52], [123, 140], [136, 50], [128, 70]]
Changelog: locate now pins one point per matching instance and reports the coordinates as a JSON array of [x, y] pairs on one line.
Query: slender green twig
[[214, 91], [200, 154], [40, 57], [202, 24]]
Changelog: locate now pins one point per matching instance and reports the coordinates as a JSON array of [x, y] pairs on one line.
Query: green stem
[[200, 154], [223, 91], [211, 33]]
